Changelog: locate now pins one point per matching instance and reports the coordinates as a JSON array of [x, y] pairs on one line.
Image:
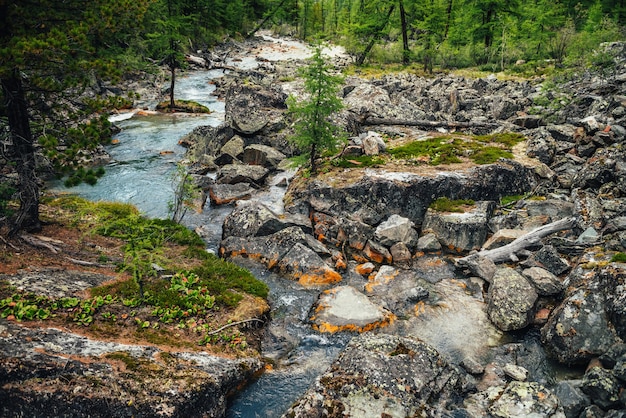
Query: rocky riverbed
[[508, 308]]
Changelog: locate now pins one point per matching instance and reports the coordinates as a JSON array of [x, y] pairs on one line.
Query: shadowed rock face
[[384, 375], [374, 197], [83, 377]]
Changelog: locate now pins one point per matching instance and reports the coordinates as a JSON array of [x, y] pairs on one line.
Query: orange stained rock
[[379, 280], [318, 277], [115, 141], [420, 308], [331, 329], [340, 264], [364, 268], [359, 258]]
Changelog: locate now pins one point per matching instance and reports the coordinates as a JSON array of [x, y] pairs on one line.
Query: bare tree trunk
[[27, 217], [172, 85], [369, 46], [448, 19], [268, 17], [405, 37]]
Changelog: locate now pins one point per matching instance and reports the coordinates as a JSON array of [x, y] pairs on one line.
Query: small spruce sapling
[[314, 132]]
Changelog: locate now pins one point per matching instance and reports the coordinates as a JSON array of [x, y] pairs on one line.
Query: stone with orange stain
[[365, 268], [344, 308], [223, 194], [308, 268], [384, 276], [377, 253]]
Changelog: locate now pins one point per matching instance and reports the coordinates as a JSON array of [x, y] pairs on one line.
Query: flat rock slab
[[56, 283], [49, 372], [344, 308]]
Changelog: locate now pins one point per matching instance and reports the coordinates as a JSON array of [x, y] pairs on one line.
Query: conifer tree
[[49, 48], [315, 133]]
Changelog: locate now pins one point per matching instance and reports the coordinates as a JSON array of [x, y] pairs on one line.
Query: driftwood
[[41, 242], [427, 123], [507, 252], [232, 324]]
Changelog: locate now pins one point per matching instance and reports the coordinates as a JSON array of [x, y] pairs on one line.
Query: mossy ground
[[192, 293]]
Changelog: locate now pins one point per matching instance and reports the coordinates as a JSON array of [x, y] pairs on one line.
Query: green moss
[[489, 155], [443, 204], [188, 106], [485, 149], [129, 361], [618, 258], [360, 161], [508, 200], [442, 150]]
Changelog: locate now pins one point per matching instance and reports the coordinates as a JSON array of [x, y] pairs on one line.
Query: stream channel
[[143, 161]]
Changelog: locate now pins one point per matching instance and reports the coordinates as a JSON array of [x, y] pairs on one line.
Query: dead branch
[[84, 263], [41, 242], [232, 324], [507, 252], [427, 123], [8, 243]]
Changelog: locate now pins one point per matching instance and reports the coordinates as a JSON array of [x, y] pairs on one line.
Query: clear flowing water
[[144, 159]]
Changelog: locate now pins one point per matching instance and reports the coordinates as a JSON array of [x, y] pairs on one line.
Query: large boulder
[[344, 308], [581, 326], [384, 376], [511, 300], [396, 229], [263, 155], [255, 219], [463, 231], [249, 107], [376, 195], [242, 173], [50, 372]]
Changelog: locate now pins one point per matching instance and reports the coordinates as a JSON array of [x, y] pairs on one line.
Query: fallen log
[[427, 123], [508, 252]]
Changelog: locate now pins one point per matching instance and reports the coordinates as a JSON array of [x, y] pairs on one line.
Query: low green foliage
[[509, 200], [444, 204], [185, 298], [439, 150], [360, 161], [618, 258], [7, 191], [484, 149]]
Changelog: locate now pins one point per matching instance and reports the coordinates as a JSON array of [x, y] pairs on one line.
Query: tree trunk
[[448, 19], [268, 17], [507, 252], [172, 85], [27, 217], [369, 46], [405, 37], [313, 158]]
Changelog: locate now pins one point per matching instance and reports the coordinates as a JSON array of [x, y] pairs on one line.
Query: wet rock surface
[[448, 351]]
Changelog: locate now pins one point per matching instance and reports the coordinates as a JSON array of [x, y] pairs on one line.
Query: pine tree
[[49, 48], [315, 133]]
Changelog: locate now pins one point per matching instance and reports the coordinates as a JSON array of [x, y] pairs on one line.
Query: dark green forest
[[51, 52]]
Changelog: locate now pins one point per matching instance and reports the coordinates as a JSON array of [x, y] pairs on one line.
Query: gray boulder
[[511, 300], [545, 283], [223, 194], [460, 231], [579, 328], [255, 219], [263, 155], [304, 265], [396, 229], [343, 308], [384, 375], [526, 399], [249, 107], [242, 173]]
